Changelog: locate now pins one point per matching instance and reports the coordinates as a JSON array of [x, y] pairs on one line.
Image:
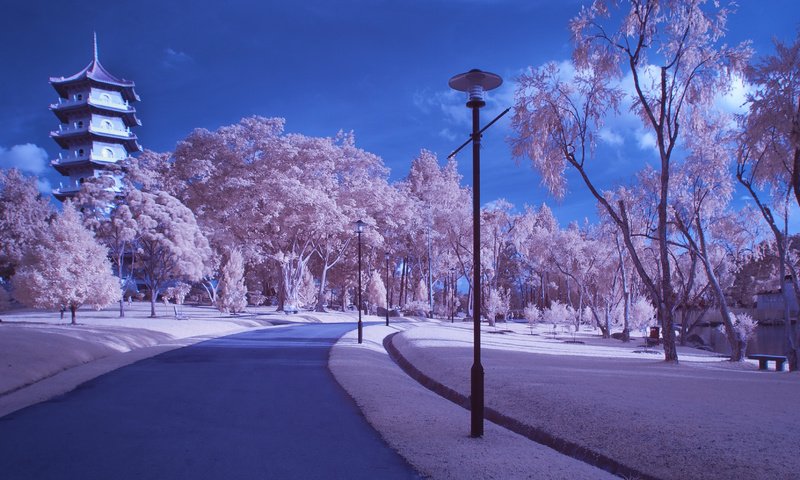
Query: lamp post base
[[360, 331], [476, 401]]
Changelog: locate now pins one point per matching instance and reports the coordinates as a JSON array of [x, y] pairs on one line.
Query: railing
[[112, 131], [94, 100], [74, 158], [67, 129], [98, 100]]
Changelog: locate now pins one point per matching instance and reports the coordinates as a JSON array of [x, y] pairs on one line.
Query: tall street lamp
[[359, 231], [386, 255], [475, 83]]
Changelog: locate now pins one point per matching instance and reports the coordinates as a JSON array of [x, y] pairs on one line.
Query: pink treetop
[[170, 244], [772, 125], [23, 214]]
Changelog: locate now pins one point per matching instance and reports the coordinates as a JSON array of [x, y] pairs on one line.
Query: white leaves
[[66, 267]]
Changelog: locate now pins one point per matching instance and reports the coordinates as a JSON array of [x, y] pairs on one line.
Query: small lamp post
[[475, 83], [359, 230], [386, 256]]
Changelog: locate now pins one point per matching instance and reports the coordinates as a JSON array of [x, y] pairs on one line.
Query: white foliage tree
[[307, 290], [642, 314], [65, 267], [376, 292], [232, 295], [170, 244], [533, 315], [558, 314]]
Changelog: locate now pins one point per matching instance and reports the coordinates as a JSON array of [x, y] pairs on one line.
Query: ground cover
[[703, 418]]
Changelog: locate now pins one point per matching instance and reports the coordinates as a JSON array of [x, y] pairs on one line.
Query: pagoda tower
[[96, 113]]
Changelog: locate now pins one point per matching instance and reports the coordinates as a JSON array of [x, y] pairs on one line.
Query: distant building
[[773, 300], [96, 113]]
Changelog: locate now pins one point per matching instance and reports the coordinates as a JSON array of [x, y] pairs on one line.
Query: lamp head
[[360, 226], [475, 83]]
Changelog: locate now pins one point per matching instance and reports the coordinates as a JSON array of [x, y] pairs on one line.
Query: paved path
[[256, 405]]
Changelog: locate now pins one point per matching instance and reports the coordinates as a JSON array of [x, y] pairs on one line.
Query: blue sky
[[376, 67]]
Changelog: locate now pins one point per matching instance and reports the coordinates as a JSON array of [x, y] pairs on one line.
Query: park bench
[[763, 359], [180, 315]]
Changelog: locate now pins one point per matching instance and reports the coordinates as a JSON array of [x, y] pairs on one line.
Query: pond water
[[767, 339]]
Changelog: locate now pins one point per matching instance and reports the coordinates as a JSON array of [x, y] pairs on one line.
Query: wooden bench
[[764, 358]]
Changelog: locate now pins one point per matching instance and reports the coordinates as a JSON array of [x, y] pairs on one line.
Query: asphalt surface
[[255, 405]]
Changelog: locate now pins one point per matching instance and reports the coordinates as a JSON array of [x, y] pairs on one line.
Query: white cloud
[[733, 101], [174, 58], [448, 134], [610, 137], [646, 140], [27, 158], [44, 186], [451, 105]]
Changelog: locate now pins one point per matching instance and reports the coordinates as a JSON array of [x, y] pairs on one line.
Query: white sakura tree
[[170, 245], [232, 291], [105, 213], [768, 163], [677, 62], [498, 304], [533, 315], [558, 314], [23, 214], [65, 267], [376, 292], [643, 314]]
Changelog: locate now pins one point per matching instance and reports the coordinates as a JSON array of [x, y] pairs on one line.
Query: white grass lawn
[[703, 418]]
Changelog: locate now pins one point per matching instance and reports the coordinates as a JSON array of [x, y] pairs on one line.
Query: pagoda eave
[[65, 168], [64, 110], [61, 86]]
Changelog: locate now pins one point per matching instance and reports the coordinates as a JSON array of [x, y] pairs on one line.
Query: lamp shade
[[475, 82], [360, 226]]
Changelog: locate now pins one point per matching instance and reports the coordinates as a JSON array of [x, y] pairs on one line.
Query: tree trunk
[[120, 259], [736, 343], [626, 295], [152, 304], [72, 310], [321, 295]]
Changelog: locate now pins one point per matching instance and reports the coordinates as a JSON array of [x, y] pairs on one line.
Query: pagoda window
[[107, 153], [79, 97], [107, 124], [81, 152], [79, 124]]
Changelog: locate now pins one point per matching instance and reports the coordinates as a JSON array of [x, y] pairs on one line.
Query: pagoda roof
[[65, 167], [95, 72], [67, 137]]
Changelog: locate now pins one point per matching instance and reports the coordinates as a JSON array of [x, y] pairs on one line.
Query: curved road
[[255, 405]]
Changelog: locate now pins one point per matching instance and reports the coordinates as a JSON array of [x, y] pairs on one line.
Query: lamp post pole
[[387, 288], [475, 82], [359, 229], [453, 290]]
